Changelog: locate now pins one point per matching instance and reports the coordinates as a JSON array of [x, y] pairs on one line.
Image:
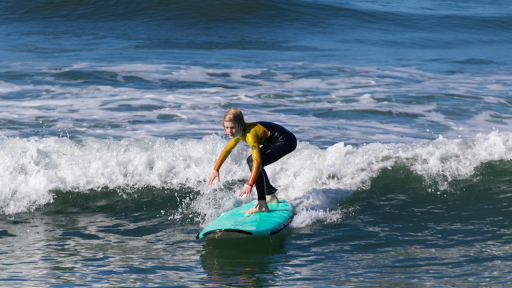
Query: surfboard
[[255, 224]]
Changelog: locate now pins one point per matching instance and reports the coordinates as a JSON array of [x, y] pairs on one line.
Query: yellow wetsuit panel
[[254, 134]]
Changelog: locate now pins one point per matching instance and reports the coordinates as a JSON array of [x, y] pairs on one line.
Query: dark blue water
[[439, 35], [110, 124]]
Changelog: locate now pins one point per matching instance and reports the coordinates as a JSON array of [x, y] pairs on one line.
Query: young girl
[[268, 142]]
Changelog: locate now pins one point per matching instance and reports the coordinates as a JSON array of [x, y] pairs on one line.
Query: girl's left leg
[[269, 155]]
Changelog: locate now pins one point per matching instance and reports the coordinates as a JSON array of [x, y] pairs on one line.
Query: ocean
[[110, 124]]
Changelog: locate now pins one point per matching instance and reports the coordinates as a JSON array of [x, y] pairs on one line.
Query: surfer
[[268, 141]]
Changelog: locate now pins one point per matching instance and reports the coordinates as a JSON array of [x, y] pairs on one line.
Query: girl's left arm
[[256, 164]]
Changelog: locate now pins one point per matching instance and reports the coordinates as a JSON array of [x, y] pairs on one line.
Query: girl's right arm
[[215, 174], [223, 156]]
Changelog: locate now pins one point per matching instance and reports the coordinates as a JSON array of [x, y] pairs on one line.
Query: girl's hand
[[215, 174], [246, 191]]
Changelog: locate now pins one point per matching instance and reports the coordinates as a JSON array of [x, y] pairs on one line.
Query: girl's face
[[232, 129]]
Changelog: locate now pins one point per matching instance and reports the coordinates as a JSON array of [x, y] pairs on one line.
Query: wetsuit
[[268, 142]]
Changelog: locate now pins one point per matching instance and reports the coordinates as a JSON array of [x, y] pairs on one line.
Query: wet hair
[[234, 115]]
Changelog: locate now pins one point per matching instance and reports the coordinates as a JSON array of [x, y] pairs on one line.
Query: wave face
[[238, 12], [316, 181]]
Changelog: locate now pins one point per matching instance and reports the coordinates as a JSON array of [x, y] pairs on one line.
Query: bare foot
[[261, 206], [272, 198]]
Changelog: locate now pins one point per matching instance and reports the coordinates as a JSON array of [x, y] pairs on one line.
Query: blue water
[[110, 123]]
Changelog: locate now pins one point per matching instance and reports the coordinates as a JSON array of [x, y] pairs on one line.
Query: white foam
[[7, 87], [318, 107]]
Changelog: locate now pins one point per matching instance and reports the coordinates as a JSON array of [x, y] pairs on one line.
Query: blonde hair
[[234, 115]]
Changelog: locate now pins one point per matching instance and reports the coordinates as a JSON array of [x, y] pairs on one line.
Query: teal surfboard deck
[[255, 224]]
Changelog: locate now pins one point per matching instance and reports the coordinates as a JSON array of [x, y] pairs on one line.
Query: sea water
[[110, 124]]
